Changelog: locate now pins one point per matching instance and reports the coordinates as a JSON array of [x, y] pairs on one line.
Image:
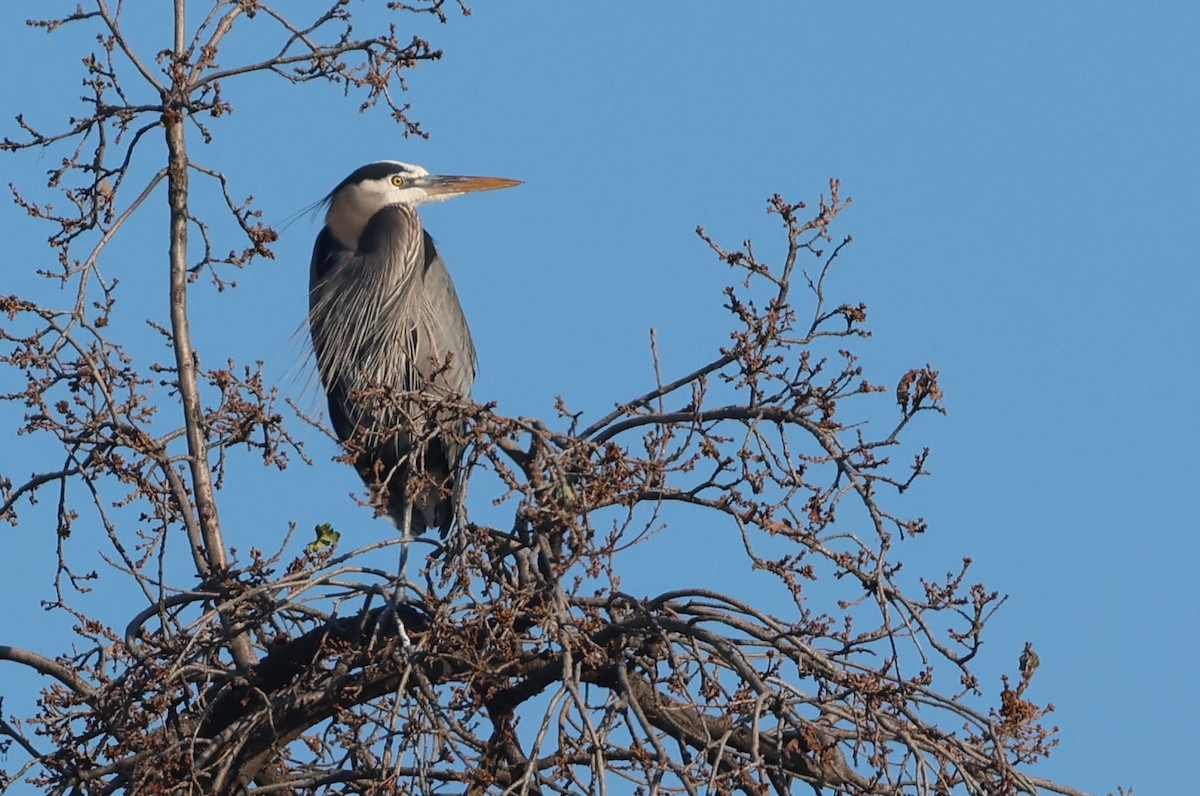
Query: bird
[[1029, 661], [389, 336]]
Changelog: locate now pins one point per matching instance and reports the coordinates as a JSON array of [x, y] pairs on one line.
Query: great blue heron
[[386, 325]]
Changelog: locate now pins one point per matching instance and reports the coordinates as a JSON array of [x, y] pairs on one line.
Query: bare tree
[[515, 662]]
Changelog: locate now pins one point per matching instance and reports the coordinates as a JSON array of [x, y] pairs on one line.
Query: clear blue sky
[[1025, 180]]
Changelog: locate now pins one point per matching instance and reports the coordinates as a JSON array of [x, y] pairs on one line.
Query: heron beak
[[452, 186]]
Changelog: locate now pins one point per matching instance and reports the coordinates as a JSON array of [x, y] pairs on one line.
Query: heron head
[[376, 185]]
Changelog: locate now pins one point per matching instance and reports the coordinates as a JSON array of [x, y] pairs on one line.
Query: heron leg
[[402, 575]]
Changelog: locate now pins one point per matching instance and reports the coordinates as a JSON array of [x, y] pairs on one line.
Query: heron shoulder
[[326, 253]]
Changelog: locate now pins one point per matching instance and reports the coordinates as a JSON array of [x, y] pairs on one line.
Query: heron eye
[[397, 180]]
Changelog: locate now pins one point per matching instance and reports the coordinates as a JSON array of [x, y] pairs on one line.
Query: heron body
[[389, 335]]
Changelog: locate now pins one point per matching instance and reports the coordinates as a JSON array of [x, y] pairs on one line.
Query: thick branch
[[43, 665]]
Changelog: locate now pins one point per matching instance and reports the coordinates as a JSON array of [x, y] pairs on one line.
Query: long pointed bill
[[440, 185]]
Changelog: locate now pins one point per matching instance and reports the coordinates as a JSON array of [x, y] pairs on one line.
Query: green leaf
[[326, 537]]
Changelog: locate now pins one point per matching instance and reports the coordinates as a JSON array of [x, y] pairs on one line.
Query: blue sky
[[1025, 184]]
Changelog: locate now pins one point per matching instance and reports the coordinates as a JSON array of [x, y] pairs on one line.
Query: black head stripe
[[372, 171]]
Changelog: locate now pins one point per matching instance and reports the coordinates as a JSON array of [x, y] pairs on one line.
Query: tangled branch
[[517, 660]]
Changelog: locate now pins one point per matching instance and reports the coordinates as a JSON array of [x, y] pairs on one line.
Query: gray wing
[[329, 257], [445, 329]]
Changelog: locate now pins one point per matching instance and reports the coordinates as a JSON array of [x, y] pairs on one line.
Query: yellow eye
[[397, 180]]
